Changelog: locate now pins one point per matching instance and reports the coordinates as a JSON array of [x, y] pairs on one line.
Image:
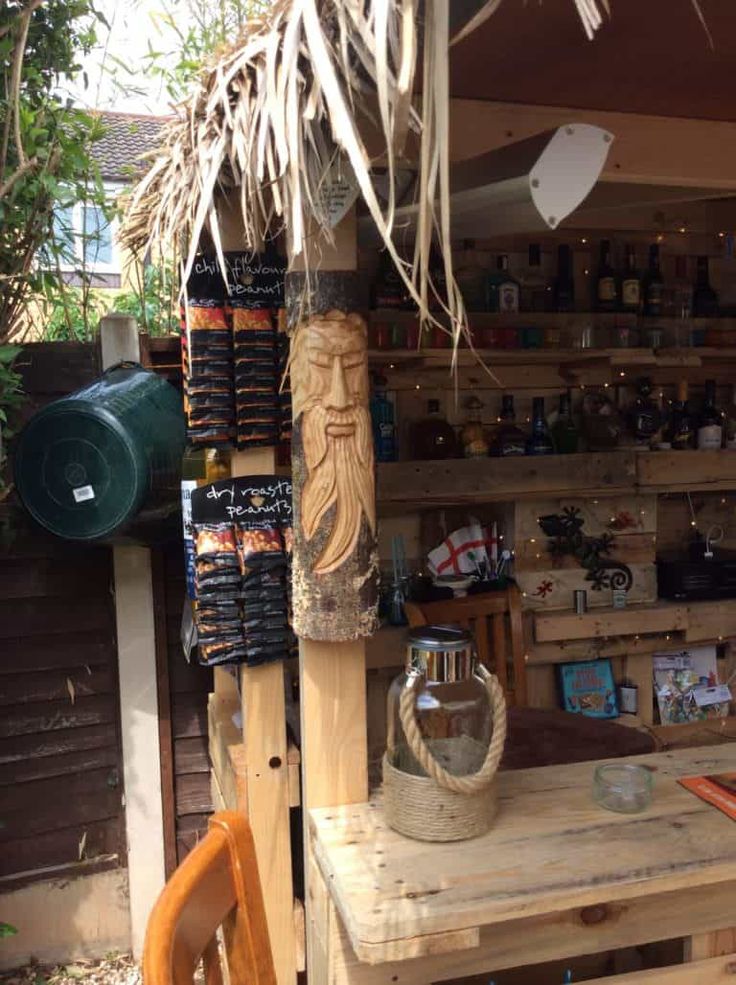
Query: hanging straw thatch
[[275, 114]]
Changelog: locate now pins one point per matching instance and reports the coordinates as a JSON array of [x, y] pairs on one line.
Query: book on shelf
[[587, 688]]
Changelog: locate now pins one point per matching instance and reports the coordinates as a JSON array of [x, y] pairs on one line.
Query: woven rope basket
[[444, 805]]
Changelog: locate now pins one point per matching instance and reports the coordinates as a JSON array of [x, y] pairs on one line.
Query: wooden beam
[[139, 707], [661, 618], [647, 150]]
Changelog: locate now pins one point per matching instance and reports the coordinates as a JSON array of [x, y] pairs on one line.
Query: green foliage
[[201, 29], [44, 146], [7, 930], [152, 302], [11, 397]]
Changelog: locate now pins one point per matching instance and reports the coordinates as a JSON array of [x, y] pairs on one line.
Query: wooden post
[[264, 732], [139, 723], [332, 674]]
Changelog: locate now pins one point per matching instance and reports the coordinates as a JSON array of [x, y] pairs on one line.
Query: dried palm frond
[[271, 119]]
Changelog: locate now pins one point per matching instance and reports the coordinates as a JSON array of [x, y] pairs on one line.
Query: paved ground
[[115, 969]]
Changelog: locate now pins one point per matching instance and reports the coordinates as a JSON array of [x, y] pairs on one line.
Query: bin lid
[[78, 472]]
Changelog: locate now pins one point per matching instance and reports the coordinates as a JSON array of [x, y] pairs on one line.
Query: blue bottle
[[384, 425]]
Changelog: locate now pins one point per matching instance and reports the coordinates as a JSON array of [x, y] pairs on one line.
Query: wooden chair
[[488, 616], [217, 885]]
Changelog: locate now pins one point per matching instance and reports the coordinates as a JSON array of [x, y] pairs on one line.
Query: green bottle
[[564, 433]]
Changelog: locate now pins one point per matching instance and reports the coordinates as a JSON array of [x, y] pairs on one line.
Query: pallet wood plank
[[479, 480], [666, 617], [520, 869], [522, 942]]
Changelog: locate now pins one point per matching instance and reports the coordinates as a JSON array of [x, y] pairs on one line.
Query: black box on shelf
[[699, 578]]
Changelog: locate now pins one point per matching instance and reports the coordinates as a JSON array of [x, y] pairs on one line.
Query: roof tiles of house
[[126, 137]]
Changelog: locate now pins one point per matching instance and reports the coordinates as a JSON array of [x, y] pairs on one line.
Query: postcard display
[[235, 351], [242, 539]]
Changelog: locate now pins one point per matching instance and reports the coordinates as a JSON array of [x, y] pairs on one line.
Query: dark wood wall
[[61, 780], [187, 685]]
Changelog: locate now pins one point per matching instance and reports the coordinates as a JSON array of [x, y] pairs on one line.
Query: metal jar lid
[[443, 654]]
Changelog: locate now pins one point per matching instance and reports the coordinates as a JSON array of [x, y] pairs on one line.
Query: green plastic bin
[[87, 465]]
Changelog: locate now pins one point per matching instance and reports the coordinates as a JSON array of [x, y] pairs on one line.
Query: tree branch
[[16, 175]]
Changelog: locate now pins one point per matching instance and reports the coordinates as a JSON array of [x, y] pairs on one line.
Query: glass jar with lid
[[451, 705], [446, 731]]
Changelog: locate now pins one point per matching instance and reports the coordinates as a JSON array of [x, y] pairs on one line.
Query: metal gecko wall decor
[[565, 531]]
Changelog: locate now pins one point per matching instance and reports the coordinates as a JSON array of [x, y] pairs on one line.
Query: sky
[[134, 25]]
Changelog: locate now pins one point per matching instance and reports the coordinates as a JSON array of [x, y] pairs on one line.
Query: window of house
[[87, 237]]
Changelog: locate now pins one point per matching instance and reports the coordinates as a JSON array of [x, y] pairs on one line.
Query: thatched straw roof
[[271, 118]]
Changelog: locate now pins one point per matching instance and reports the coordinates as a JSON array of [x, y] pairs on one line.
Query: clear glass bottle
[[539, 442], [508, 439], [503, 289], [709, 435], [645, 419], [450, 702], [564, 432], [473, 436], [432, 438], [471, 277], [534, 289]]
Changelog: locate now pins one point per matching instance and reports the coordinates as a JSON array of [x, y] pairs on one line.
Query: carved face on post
[[329, 379]]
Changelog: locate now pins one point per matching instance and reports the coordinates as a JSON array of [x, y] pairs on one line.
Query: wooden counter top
[[553, 856]]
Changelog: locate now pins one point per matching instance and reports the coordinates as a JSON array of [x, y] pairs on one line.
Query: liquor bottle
[[473, 436], [503, 289], [631, 284], [432, 437], [563, 288], [383, 422], [705, 299], [534, 290], [388, 288], [564, 433], [539, 442], [508, 439], [710, 423], [471, 277], [606, 281], [680, 296], [681, 430], [645, 417], [731, 422], [653, 285]]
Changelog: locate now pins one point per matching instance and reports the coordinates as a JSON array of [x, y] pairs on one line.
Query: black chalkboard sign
[[206, 285], [256, 280], [263, 499]]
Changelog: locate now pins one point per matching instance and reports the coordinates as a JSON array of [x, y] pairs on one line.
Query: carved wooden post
[[335, 581], [332, 674]]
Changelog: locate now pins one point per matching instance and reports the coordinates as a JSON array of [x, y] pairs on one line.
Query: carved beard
[[340, 472]]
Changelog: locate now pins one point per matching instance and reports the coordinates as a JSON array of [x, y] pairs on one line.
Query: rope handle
[[423, 754]]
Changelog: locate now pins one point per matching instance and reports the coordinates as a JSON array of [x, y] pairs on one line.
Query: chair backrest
[[495, 620], [216, 886]]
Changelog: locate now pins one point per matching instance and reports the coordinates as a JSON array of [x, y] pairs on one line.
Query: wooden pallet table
[[556, 877]]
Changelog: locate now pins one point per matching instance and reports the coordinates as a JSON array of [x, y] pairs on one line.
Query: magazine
[[686, 685], [718, 789]]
